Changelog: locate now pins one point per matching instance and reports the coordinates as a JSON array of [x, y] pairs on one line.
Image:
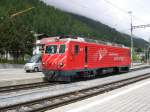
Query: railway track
[[23, 87], [135, 69], [41, 105], [40, 84]]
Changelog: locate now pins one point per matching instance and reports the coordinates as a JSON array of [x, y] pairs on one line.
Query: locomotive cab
[[54, 59], [63, 60]]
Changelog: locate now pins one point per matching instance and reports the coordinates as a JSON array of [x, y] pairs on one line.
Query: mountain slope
[[16, 33]]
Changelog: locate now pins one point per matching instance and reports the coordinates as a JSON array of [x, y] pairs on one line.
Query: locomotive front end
[[54, 60]]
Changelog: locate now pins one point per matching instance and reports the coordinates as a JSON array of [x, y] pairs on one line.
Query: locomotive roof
[[81, 39], [78, 39]]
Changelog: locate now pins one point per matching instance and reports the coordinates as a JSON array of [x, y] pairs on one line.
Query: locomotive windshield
[[52, 49], [62, 48]]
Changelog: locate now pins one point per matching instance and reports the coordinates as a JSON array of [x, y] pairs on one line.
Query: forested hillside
[[16, 33]]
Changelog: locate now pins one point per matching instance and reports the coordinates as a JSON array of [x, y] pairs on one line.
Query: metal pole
[[147, 56], [148, 52], [144, 55], [131, 39]]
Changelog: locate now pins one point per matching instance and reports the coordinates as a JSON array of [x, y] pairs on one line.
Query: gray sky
[[111, 12]]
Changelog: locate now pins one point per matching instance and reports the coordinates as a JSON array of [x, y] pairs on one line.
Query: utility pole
[[131, 29], [131, 39], [147, 49], [149, 52]]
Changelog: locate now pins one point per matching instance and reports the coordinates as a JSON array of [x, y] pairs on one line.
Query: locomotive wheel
[[125, 69], [116, 70]]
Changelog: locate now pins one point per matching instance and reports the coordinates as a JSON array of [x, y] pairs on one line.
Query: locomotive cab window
[[52, 49], [76, 49], [62, 48]]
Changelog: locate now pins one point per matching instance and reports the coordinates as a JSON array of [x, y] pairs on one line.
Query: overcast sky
[[111, 12]]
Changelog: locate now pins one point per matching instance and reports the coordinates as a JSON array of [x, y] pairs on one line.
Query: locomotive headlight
[[61, 64]]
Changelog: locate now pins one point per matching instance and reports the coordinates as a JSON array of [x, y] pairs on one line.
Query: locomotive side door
[[77, 57], [86, 56]]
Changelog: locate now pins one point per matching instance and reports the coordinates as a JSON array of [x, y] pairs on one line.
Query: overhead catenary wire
[[113, 5], [90, 10], [110, 3], [122, 10], [85, 7]]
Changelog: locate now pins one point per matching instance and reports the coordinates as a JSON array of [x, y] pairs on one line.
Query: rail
[[17, 88], [41, 105]]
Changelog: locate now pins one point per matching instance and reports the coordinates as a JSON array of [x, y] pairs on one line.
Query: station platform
[[131, 98], [17, 76]]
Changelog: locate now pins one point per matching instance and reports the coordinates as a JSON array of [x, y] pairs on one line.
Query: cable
[[108, 2], [84, 6], [123, 10], [116, 6]]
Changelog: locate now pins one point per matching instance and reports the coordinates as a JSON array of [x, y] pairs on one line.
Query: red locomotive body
[[66, 59]]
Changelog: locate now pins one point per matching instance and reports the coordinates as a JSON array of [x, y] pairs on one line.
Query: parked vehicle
[[34, 64]]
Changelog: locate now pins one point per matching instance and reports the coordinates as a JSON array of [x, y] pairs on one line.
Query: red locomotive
[[65, 59]]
